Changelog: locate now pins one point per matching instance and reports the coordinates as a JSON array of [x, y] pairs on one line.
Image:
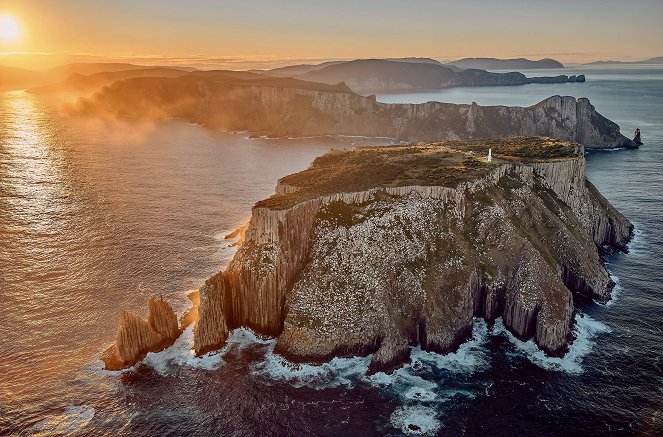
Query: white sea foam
[[616, 291], [416, 420], [181, 354], [471, 356], [73, 419], [403, 380], [585, 331], [242, 337], [613, 149], [335, 373], [420, 394], [635, 246], [422, 390], [227, 247]]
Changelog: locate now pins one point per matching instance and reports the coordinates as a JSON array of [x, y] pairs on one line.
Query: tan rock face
[[137, 337], [411, 262], [285, 107]]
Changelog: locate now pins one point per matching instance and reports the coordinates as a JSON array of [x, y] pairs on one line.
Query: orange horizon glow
[[259, 34]]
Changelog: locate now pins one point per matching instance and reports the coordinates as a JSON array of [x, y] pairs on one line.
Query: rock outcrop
[[136, 337], [284, 107], [378, 249]]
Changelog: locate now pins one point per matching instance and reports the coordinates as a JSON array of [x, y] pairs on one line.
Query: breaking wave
[[470, 357], [616, 291], [181, 354], [585, 331], [415, 420], [422, 386], [635, 246], [335, 373]]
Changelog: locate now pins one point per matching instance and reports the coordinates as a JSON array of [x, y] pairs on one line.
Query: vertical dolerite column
[[251, 292], [137, 337], [212, 328]]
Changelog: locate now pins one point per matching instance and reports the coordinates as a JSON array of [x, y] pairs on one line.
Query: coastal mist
[[101, 215]]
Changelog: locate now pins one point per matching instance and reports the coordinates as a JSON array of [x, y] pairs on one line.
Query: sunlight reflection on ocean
[[98, 216]]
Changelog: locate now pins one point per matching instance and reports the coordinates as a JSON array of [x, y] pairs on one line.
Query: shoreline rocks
[[381, 270], [375, 250]]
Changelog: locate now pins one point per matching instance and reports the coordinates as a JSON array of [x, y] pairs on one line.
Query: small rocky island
[[377, 249]]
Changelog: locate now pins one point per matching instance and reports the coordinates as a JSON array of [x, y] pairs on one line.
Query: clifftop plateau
[[377, 249]]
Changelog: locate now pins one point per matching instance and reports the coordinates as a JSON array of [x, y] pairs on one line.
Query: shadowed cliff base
[[378, 249], [285, 107]]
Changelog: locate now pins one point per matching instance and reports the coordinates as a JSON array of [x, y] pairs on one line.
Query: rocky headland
[[504, 64], [286, 107], [368, 76], [378, 249]]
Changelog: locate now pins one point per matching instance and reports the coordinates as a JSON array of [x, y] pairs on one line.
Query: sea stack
[[136, 337]]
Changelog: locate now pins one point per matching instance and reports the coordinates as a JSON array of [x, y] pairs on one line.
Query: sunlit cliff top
[[446, 163]]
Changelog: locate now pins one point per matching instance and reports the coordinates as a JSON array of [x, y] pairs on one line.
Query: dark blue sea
[[97, 216]]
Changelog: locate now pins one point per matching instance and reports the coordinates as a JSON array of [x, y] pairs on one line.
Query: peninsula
[[378, 249], [506, 64], [287, 107]]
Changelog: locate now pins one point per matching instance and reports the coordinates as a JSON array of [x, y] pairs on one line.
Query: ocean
[[97, 216]]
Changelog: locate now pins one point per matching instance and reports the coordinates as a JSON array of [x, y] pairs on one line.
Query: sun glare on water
[[9, 28]]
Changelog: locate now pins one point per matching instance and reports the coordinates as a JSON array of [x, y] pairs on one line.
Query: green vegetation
[[446, 164]]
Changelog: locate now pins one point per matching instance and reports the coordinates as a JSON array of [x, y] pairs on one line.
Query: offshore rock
[[136, 337], [378, 249], [285, 107]]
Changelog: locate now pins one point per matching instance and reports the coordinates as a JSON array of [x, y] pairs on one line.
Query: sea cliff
[[284, 107], [378, 249]]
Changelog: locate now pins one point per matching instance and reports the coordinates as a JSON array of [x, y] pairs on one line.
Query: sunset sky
[[245, 34]]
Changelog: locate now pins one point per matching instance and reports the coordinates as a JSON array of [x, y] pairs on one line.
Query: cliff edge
[[285, 107], [377, 249]]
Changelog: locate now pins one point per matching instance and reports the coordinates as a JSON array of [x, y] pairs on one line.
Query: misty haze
[[312, 218]]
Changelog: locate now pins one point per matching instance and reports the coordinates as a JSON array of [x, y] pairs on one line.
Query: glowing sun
[[9, 28]]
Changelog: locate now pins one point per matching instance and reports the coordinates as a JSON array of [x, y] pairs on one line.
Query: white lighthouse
[[490, 156]]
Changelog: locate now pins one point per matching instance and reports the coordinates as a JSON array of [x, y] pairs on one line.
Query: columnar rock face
[[287, 107], [137, 337], [378, 249]]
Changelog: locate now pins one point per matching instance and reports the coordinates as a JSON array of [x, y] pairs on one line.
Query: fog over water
[[97, 216]]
